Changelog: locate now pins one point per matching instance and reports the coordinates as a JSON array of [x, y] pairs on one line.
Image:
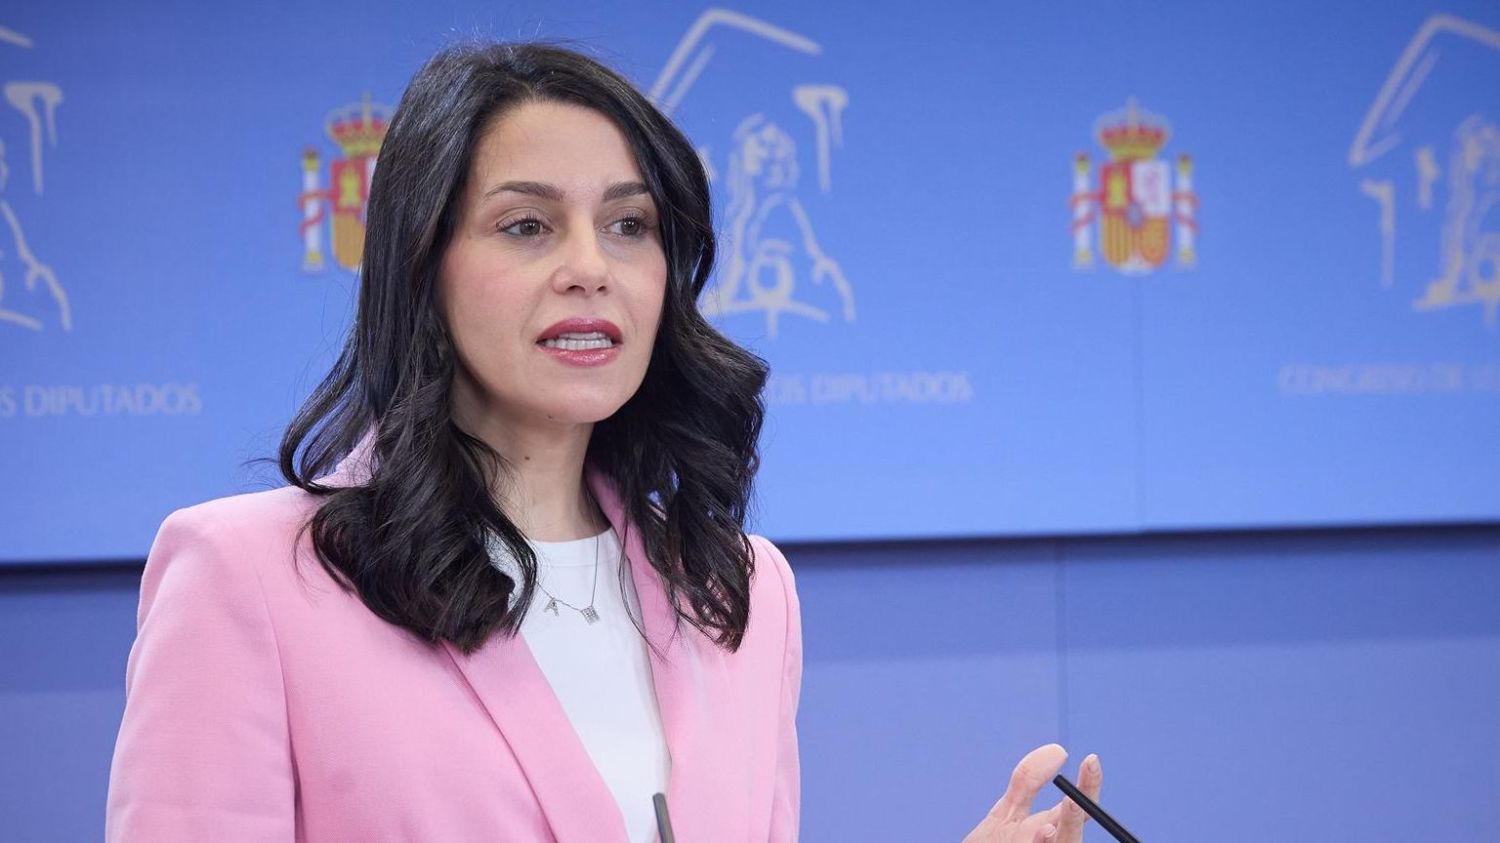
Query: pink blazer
[[266, 706]]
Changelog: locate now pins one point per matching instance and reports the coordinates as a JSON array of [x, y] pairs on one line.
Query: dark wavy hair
[[682, 452]]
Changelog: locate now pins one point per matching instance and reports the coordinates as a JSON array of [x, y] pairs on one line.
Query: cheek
[[655, 302], [479, 312], [457, 306]]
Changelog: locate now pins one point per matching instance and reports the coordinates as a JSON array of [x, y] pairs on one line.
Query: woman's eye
[[527, 227], [631, 226]]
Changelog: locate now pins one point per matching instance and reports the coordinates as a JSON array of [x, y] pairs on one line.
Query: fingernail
[[1049, 831], [1092, 762]]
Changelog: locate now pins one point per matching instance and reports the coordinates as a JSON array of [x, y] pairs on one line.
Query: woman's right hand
[[1011, 820]]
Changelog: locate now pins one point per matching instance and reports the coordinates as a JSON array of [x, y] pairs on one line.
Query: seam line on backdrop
[[1138, 364], [1059, 559]]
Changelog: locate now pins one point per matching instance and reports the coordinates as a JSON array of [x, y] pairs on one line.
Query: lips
[[582, 326]]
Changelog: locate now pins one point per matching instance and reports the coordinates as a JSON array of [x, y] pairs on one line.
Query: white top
[[600, 672]]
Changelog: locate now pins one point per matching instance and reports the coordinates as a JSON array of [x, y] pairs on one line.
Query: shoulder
[[273, 519], [775, 610], [245, 523], [251, 514], [772, 571], [226, 540]]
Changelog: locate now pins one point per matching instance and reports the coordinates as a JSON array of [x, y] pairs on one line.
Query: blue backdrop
[[1018, 269]]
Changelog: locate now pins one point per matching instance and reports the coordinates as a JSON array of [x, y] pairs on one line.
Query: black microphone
[[1082, 800], [663, 822]]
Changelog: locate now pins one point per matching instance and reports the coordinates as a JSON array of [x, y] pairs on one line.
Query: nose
[[584, 265]]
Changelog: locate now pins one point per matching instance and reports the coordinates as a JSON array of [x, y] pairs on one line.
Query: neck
[[543, 492]]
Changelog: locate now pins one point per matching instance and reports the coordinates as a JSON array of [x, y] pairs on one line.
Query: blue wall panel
[[1238, 687], [1239, 690], [929, 669], [64, 638], [948, 360]]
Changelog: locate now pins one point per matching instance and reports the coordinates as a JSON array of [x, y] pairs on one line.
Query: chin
[[586, 409]]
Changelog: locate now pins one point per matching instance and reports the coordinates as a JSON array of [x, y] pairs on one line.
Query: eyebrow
[[618, 190]]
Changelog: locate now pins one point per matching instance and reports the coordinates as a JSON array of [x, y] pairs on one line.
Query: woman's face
[[556, 225]]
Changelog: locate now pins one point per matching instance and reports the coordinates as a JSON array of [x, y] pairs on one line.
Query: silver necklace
[[588, 612]]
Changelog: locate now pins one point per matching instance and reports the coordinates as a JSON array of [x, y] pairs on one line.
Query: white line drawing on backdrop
[[25, 97], [1468, 271], [10, 36], [695, 36], [824, 105], [760, 269], [762, 182]]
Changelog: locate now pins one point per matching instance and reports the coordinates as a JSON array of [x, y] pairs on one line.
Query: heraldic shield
[[1136, 203], [351, 189]]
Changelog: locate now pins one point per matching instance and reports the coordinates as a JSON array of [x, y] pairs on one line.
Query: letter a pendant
[[551, 606]]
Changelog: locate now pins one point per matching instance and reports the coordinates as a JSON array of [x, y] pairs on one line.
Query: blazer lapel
[[507, 680], [689, 675]]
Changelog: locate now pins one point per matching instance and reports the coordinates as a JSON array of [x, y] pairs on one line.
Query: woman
[[523, 485]]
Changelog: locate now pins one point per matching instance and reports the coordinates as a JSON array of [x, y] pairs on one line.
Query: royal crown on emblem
[[358, 128], [1131, 133]]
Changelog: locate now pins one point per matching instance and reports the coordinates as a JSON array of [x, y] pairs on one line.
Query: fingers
[[1034, 771], [1071, 817], [1091, 777], [1040, 828]]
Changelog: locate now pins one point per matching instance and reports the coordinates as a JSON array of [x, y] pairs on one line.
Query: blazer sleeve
[[204, 751], [787, 807]]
